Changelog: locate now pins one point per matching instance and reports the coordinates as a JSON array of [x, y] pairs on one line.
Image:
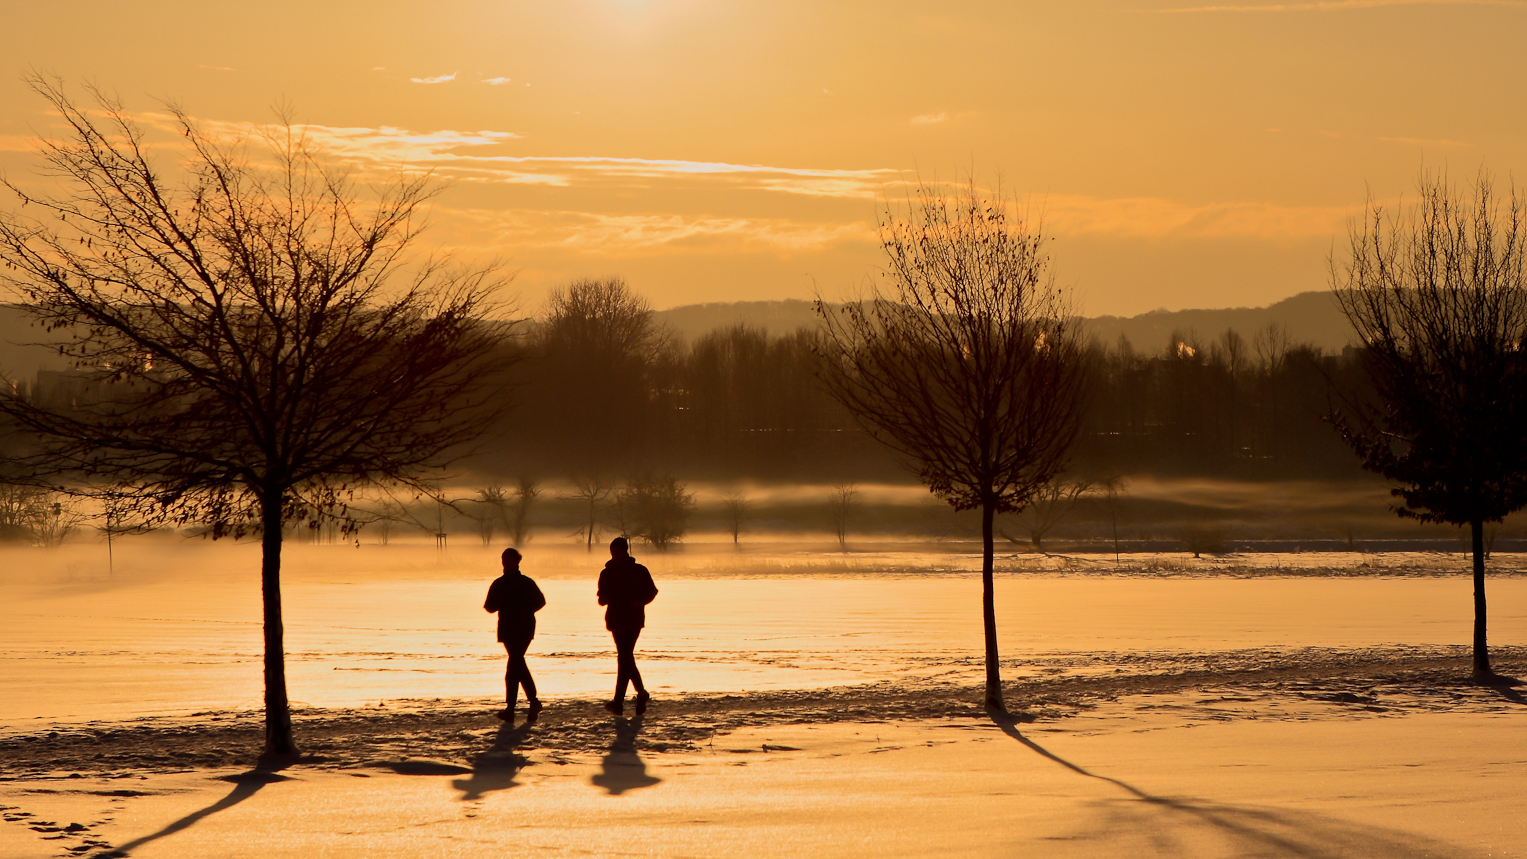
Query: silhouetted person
[[516, 599], [625, 587]]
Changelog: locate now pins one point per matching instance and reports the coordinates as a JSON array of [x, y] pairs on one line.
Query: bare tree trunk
[[1482, 670], [989, 612], [278, 714]]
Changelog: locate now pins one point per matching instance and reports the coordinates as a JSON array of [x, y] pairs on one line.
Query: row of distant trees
[[605, 391]]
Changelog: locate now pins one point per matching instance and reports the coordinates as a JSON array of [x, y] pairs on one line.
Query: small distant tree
[[21, 507], [736, 506], [1437, 293], [37, 515], [1051, 504], [656, 509], [526, 491], [841, 503], [488, 510], [1112, 487], [967, 364], [592, 491], [252, 358]]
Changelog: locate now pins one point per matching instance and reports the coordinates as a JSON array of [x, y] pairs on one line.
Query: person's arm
[[649, 587], [491, 604], [537, 599], [604, 596]]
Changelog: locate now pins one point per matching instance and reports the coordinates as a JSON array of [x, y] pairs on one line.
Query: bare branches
[[1438, 293], [239, 328], [968, 365]]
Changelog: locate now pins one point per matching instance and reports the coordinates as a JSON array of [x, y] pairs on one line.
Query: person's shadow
[[623, 769], [495, 767]]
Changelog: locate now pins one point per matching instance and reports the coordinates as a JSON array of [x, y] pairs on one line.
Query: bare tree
[[592, 490], [597, 346], [841, 503], [37, 515], [1052, 503], [526, 491], [488, 511], [253, 360], [1112, 487], [967, 365], [736, 506], [1437, 292], [655, 508]]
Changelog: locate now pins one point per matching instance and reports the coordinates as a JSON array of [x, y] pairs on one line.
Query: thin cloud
[[17, 143], [1430, 143], [456, 154], [438, 79], [218, 68], [497, 81], [930, 119], [625, 234], [1334, 6], [1154, 217]]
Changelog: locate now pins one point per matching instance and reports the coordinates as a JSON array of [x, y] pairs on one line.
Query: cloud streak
[[438, 79], [604, 234], [1157, 218], [463, 155]]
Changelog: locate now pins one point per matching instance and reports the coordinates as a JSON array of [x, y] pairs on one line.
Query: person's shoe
[[505, 715], [641, 702], [615, 708], [534, 709]]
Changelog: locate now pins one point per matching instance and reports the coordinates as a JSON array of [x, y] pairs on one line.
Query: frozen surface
[[1108, 785], [175, 628]]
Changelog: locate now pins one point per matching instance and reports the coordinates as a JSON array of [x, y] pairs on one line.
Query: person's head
[[511, 560], [620, 547]]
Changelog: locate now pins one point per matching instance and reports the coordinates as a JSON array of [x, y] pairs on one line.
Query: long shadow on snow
[[245, 785], [1150, 825]]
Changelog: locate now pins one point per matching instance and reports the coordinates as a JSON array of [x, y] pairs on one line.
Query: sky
[[1180, 154]]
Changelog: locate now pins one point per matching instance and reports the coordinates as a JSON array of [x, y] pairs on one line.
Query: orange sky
[[1184, 155]]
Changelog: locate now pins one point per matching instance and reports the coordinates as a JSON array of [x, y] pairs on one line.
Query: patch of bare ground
[[1251, 684]]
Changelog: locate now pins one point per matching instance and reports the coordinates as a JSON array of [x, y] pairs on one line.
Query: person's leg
[[632, 671], [625, 662], [520, 670], [511, 679]]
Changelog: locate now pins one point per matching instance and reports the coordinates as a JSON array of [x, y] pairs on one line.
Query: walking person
[[625, 588], [516, 598]]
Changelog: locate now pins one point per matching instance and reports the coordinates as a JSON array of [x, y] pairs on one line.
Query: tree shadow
[[1145, 824], [1505, 686], [623, 769], [496, 767], [245, 785]]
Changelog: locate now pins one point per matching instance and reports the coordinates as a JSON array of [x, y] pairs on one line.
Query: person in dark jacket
[[516, 599], [625, 588]]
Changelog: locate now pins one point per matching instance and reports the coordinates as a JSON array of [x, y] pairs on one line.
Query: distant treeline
[[604, 392]]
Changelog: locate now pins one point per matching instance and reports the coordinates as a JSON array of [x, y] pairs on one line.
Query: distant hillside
[[1310, 317], [693, 321]]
